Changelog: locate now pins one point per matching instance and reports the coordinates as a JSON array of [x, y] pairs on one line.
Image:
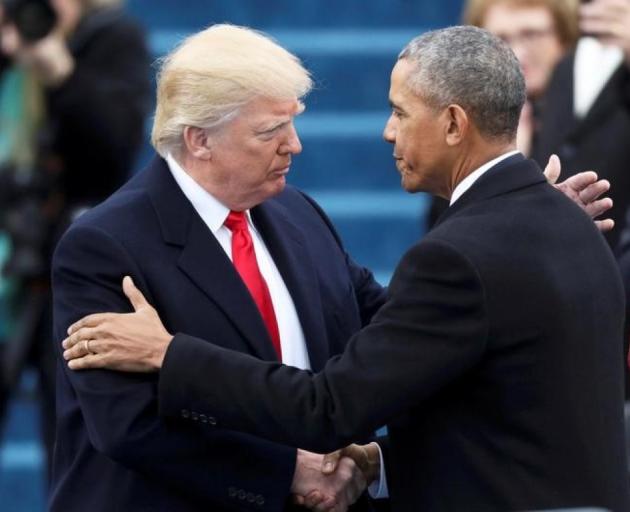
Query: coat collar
[[513, 173]]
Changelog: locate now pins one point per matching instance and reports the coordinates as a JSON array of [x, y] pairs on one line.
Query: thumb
[[552, 171], [133, 294], [330, 462]]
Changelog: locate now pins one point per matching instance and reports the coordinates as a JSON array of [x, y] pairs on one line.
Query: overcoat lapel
[[288, 248]]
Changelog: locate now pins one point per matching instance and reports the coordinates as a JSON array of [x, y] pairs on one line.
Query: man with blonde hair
[[226, 250]]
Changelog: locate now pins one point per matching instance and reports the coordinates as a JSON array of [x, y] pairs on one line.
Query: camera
[[33, 19]]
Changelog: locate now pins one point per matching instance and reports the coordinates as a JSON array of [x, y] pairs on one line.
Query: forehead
[[399, 92], [267, 108], [504, 18]]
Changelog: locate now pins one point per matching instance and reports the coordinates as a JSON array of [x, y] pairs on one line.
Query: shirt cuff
[[378, 488]]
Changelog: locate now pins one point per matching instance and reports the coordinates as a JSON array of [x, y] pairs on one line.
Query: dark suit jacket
[[495, 362], [597, 142], [112, 450]]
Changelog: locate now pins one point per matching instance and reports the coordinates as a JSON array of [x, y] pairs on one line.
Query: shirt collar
[[468, 181], [209, 208]]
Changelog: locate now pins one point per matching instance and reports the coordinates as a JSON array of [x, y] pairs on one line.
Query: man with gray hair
[[496, 359]]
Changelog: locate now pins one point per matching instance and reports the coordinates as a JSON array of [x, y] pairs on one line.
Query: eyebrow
[[394, 106], [284, 122]]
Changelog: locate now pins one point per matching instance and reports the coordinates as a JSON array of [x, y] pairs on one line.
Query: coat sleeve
[[432, 329], [119, 410]]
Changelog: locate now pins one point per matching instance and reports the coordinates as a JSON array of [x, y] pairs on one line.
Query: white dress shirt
[[214, 214], [378, 488], [594, 64]]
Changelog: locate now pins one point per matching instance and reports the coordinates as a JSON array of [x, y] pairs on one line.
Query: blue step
[[191, 14], [376, 227], [22, 475], [344, 164], [349, 83]]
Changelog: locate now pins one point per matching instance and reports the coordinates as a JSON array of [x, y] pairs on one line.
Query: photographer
[[73, 98]]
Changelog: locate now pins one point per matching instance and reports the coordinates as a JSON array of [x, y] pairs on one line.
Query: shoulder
[[127, 213]]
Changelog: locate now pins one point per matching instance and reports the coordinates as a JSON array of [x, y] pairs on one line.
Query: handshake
[[333, 482]]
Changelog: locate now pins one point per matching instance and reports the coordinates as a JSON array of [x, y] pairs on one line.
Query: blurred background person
[[74, 92], [585, 115], [540, 32]]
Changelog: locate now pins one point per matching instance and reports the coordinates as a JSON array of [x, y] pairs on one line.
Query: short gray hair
[[207, 79], [472, 68]]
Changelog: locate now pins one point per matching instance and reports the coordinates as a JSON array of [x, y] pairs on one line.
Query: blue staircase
[[350, 47]]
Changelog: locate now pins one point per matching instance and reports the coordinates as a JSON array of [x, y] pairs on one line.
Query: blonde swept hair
[[563, 12], [211, 74]]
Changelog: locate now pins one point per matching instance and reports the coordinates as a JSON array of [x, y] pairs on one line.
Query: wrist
[[160, 353]]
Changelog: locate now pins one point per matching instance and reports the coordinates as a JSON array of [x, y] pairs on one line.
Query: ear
[[197, 142], [457, 124]]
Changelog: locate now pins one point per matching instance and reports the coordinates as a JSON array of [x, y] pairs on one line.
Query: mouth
[[283, 171]]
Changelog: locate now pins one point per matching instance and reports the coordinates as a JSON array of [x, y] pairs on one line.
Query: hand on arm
[[585, 189], [133, 342]]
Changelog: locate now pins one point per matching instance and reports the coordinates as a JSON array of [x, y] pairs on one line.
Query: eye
[[271, 132]]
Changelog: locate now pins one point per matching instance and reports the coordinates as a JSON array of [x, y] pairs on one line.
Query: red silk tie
[[244, 259]]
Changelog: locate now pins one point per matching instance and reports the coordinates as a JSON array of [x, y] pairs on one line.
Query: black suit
[[597, 142], [495, 363], [113, 452]]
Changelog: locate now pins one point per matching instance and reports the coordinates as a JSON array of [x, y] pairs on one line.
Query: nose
[[292, 144], [389, 132]]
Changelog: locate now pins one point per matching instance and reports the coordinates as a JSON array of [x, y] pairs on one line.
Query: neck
[[201, 171], [470, 161]]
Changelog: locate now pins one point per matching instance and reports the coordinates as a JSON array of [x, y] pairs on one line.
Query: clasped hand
[[333, 482]]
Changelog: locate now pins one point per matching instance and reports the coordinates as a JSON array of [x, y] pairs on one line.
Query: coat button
[[194, 416], [232, 491], [260, 501], [185, 414]]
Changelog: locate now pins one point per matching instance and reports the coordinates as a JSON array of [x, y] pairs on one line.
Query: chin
[[409, 186], [277, 186]]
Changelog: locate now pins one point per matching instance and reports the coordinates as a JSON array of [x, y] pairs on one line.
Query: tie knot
[[236, 221]]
